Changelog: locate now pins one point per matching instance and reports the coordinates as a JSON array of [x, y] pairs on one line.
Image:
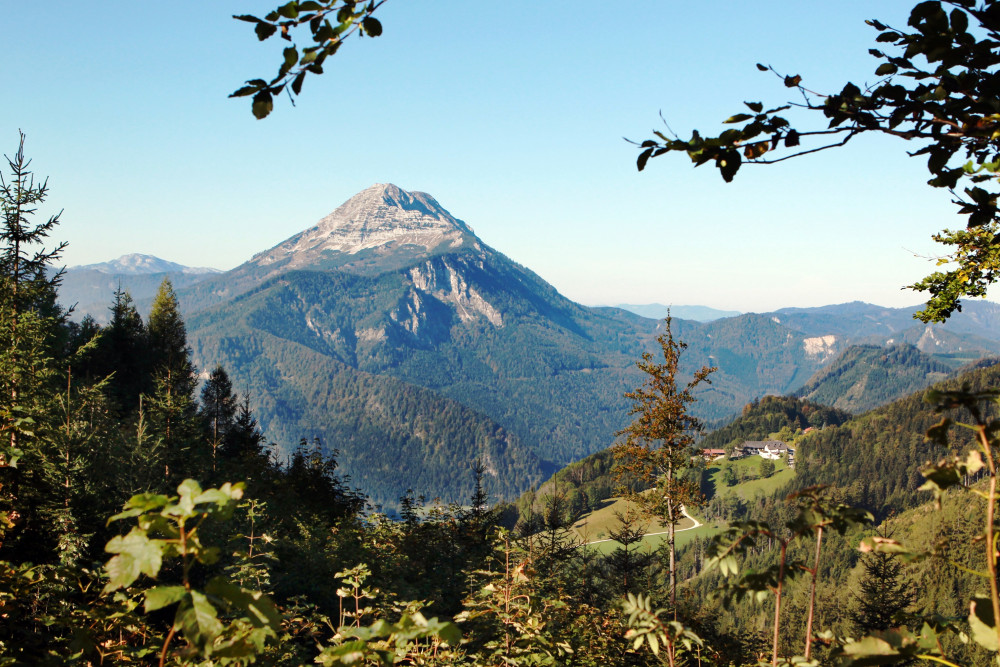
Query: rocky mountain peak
[[383, 219]]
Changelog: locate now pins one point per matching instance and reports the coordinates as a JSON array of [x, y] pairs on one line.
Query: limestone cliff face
[[384, 220], [385, 228], [445, 281]]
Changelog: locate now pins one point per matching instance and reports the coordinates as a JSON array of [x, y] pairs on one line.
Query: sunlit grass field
[[595, 528]]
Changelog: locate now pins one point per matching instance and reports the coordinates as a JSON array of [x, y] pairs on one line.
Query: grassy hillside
[[596, 526], [754, 486]]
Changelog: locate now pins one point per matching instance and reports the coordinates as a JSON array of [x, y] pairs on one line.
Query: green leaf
[[643, 158], [291, 55], [265, 30], [147, 501], [982, 624], [871, 651], [253, 604], [762, 68], [289, 10], [738, 118], [198, 620], [262, 104], [348, 653], [729, 163], [756, 107], [371, 26], [244, 91], [136, 554], [886, 69], [959, 21], [159, 597], [448, 632]]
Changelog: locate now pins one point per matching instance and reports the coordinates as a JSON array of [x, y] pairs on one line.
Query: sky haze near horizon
[[512, 115]]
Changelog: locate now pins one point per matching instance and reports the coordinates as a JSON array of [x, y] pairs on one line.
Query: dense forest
[[866, 376]]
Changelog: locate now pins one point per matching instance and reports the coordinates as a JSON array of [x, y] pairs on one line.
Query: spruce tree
[[173, 411], [31, 326], [884, 593], [630, 530], [122, 354], [244, 440], [25, 286], [218, 407], [168, 337]]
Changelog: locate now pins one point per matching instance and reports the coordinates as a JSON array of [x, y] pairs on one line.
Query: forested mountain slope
[[875, 459], [866, 376], [771, 414], [391, 436]]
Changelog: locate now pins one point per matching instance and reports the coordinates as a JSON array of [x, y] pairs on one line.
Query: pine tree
[[173, 411], [884, 592], [218, 407], [121, 353]]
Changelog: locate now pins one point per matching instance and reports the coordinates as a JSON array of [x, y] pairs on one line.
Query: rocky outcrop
[[382, 219]]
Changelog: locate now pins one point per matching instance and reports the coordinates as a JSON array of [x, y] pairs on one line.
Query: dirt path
[[697, 524]]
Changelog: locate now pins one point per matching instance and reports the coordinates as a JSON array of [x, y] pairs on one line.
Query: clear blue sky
[[512, 114]]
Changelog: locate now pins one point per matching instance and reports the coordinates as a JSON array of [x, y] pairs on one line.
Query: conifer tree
[[244, 440], [172, 407], [658, 443], [884, 592], [168, 349], [218, 407], [630, 530], [25, 285], [30, 323], [122, 353]]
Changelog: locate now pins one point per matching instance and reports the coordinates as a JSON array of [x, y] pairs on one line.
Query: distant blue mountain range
[[658, 311]]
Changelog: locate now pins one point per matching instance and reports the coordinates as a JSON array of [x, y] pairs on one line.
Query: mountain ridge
[[139, 264]]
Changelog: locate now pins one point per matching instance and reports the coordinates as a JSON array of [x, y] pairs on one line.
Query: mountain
[[392, 288], [399, 297], [392, 332], [658, 311], [90, 288], [866, 376], [969, 334], [136, 264], [760, 419], [379, 229]]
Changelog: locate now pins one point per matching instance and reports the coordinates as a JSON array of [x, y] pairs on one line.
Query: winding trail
[[697, 524]]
